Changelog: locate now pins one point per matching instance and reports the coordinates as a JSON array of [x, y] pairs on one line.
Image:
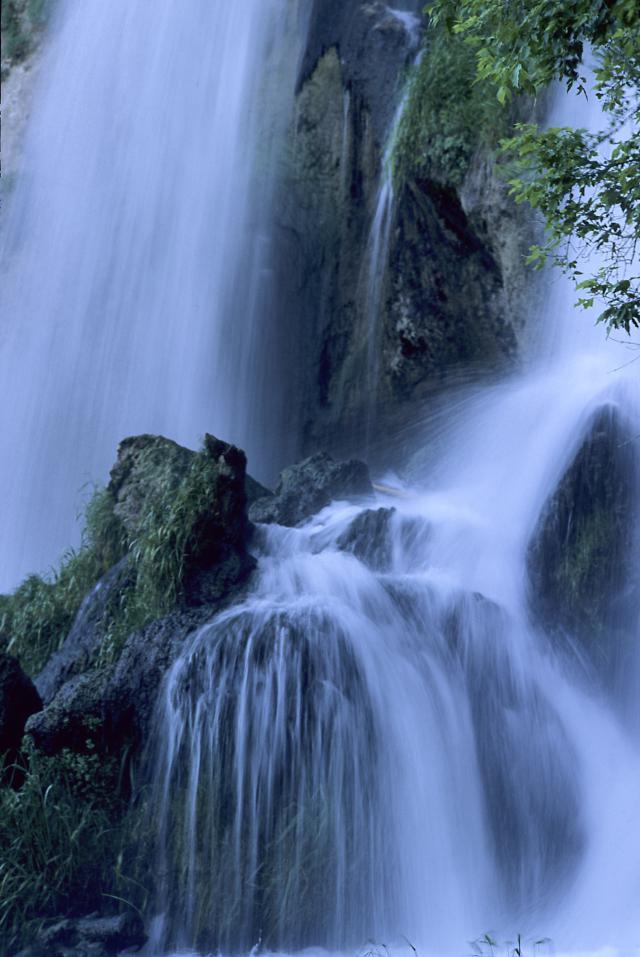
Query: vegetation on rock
[[21, 22], [170, 530], [448, 115], [63, 840], [175, 513], [586, 184]]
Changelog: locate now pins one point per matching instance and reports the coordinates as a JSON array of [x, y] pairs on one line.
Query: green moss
[[448, 114], [22, 22]]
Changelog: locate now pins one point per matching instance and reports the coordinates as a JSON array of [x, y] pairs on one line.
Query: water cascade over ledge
[[397, 735], [417, 724]]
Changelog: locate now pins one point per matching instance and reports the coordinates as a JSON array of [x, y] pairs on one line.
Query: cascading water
[[138, 254], [377, 252], [385, 738]]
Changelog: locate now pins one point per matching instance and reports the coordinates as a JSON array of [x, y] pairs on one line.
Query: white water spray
[[399, 747], [138, 255]]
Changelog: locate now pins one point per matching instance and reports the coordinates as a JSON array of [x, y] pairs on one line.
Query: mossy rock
[[579, 559]]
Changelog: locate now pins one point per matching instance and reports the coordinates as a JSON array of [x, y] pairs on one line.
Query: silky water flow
[[386, 741], [138, 250], [383, 741]]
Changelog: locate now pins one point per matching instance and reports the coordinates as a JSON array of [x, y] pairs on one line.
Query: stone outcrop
[[110, 709], [580, 559], [151, 470], [309, 486], [18, 700], [451, 289], [368, 537], [107, 705], [92, 936], [85, 638]]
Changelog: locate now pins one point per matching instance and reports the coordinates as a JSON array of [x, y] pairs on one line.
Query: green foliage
[[448, 115], [21, 21], [62, 845], [15, 36], [170, 533], [587, 185], [36, 618]]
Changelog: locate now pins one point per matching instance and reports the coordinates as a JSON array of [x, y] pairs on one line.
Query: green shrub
[[448, 114], [170, 534], [36, 618], [65, 843]]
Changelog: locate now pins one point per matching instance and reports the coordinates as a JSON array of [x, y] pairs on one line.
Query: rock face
[[305, 488], [108, 707], [147, 466], [18, 700], [152, 472], [368, 537], [580, 558], [87, 632], [448, 292]]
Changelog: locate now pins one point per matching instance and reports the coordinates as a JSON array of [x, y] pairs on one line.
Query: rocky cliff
[[449, 286]]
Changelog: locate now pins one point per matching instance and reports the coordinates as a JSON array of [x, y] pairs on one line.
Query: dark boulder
[[371, 535], [85, 638], [309, 486], [73, 718], [18, 700], [368, 537], [110, 709], [580, 557], [93, 936], [105, 703], [212, 487]]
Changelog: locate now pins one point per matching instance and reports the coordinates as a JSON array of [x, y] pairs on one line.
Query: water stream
[[384, 741]]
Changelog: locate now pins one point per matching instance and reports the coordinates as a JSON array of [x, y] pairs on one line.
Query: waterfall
[[377, 250], [399, 733], [139, 253], [386, 739]]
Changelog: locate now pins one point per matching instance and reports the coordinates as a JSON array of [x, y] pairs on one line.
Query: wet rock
[[73, 718], [452, 289], [109, 710], [580, 557], [18, 700], [93, 936], [255, 490], [87, 632], [368, 538], [152, 471], [427, 332], [374, 47], [309, 486]]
